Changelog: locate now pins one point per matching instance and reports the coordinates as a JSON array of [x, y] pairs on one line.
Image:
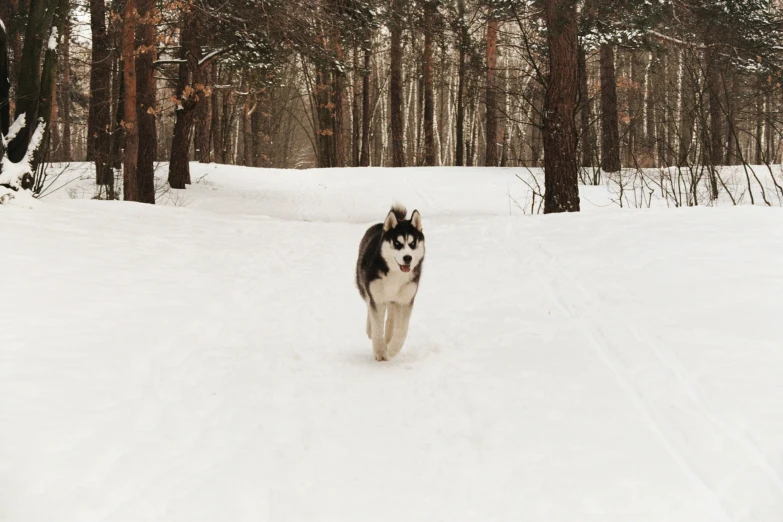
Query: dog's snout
[[407, 259]]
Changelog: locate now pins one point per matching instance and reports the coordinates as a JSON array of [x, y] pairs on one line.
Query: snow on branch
[[169, 62], [677, 41], [180, 61], [211, 55], [12, 173], [52, 46], [14, 129]]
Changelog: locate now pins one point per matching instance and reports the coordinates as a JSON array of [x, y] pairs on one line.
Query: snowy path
[[210, 363]]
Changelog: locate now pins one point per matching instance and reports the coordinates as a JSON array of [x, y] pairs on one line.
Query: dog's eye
[[413, 244], [397, 244]]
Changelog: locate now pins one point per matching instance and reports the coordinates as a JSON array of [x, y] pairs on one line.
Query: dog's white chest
[[395, 287]]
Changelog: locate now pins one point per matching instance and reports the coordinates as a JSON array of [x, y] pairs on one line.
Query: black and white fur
[[388, 271]]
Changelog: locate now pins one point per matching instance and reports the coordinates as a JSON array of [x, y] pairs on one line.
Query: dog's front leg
[[376, 315], [402, 318], [391, 313]]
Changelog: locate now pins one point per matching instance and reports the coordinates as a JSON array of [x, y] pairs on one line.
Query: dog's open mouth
[[405, 268]]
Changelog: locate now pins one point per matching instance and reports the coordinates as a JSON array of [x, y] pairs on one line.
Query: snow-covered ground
[[206, 359]]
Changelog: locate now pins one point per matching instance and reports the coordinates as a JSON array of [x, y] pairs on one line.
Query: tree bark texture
[[587, 138], [325, 111], [14, 39], [65, 94], [99, 115], [5, 87], [203, 115], [364, 160], [47, 97], [130, 172], [610, 132], [714, 88], [146, 104], [430, 157], [188, 103], [491, 156], [39, 26], [215, 128], [355, 104], [559, 133], [395, 90], [463, 43]]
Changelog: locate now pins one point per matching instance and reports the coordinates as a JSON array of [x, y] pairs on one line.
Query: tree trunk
[[187, 106], [339, 100], [430, 158], [65, 94], [686, 116], [716, 124], [259, 160], [364, 160], [395, 90], [247, 113], [536, 134], [14, 40], [146, 103], [636, 112], [355, 101], [99, 115], [491, 157], [179, 166], [587, 135], [47, 101], [610, 133], [325, 121], [769, 144], [5, 90], [130, 173], [758, 156], [54, 124], [731, 138], [417, 156], [227, 113], [463, 43], [217, 137], [651, 88], [99, 83], [203, 115], [118, 134], [39, 26], [560, 140], [339, 142]]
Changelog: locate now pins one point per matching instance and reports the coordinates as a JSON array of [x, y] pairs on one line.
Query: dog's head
[[403, 241]]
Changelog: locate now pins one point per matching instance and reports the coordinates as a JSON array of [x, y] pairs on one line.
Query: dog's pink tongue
[[405, 268]]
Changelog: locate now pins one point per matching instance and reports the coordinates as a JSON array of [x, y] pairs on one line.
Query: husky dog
[[387, 274]]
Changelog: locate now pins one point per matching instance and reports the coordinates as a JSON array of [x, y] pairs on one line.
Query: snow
[[205, 359], [52, 45], [211, 55], [15, 127], [11, 174]]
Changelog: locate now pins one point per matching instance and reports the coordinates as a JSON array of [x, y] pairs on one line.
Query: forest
[[581, 88], [391, 260]]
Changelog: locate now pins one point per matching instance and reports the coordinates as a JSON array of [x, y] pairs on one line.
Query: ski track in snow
[[674, 432], [211, 363], [734, 473]]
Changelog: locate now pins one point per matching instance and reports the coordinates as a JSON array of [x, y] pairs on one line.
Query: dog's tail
[[399, 210]]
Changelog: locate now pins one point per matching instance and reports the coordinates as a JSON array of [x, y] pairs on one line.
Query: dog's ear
[[416, 220], [391, 222]]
